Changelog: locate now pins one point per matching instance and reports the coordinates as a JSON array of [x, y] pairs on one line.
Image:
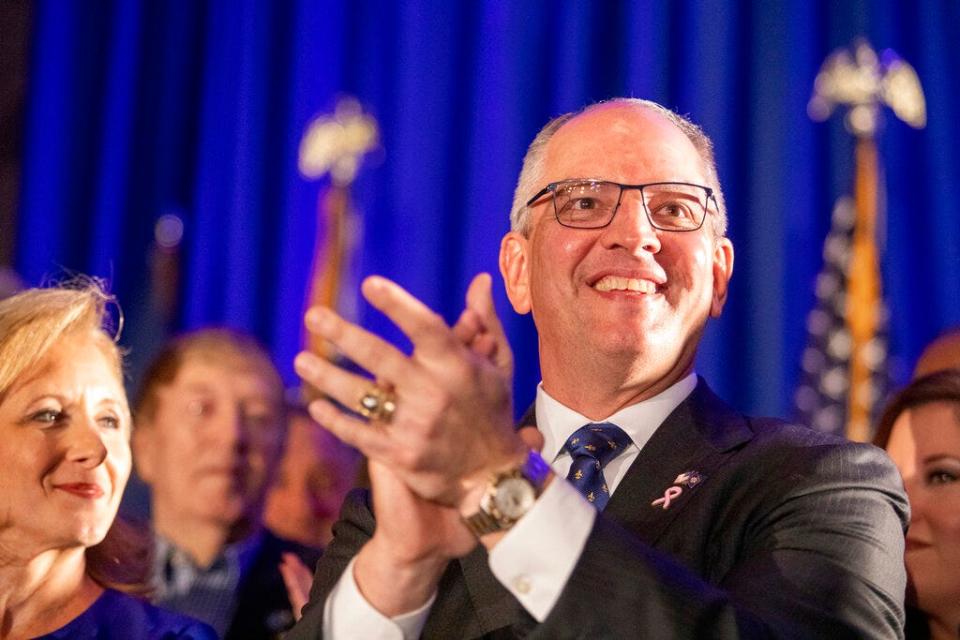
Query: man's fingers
[[470, 332], [532, 438], [371, 440], [480, 293], [417, 321], [366, 349], [480, 301], [343, 386], [467, 327], [485, 346]]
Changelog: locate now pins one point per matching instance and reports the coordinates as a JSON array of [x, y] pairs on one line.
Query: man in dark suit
[[680, 518], [210, 425]]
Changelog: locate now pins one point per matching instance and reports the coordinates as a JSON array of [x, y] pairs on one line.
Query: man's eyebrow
[[197, 387]]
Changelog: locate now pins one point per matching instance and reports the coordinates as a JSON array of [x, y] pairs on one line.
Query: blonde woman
[[67, 569]]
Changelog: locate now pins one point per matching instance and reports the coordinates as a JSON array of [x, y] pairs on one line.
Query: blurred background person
[[67, 568], [210, 426], [920, 429], [942, 353], [315, 474]]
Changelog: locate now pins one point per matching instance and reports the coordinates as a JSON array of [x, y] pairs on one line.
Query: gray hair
[[531, 175]]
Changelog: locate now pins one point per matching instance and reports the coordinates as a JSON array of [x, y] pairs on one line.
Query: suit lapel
[[697, 437]]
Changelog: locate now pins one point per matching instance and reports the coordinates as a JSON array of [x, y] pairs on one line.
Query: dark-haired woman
[[920, 429]]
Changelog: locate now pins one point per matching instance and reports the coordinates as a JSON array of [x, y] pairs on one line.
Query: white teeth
[[615, 283]]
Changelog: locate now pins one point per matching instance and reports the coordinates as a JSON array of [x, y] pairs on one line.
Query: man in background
[[314, 475], [210, 425]]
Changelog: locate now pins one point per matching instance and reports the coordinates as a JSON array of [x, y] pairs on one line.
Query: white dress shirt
[[535, 558]]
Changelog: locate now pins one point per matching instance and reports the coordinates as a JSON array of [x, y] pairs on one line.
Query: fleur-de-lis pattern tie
[[592, 446]]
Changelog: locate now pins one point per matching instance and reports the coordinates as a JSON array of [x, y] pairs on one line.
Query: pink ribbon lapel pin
[[685, 479]]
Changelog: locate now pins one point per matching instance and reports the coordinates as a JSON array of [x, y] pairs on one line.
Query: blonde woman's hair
[[31, 323]]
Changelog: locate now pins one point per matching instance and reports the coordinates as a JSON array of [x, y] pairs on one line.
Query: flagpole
[[334, 144], [864, 296]]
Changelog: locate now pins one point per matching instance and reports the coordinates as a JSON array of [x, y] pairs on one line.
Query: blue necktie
[[592, 446]]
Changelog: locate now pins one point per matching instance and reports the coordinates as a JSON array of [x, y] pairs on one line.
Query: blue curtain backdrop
[[137, 109]]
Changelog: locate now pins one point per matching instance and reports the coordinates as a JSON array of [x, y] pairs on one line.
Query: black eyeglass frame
[[552, 189]]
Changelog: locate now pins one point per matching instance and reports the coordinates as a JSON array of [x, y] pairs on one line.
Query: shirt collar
[[240, 554], [557, 421]]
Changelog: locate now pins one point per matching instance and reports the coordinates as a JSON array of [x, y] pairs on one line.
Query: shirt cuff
[[535, 558], [347, 614]]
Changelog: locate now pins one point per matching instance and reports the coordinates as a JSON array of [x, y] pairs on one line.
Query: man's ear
[[515, 272], [722, 270], [142, 443]]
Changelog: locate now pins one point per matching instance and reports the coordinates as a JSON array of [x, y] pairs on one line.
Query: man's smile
[[617, 283]]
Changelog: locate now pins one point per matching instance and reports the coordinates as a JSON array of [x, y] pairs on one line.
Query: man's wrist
[[473, 487], [490, 540], [506, 496], [393, 585]]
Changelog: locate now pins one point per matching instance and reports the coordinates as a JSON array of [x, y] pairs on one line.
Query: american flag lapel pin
[[689, 478]]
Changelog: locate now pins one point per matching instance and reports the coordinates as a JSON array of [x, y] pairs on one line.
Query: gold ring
[[377, 404]]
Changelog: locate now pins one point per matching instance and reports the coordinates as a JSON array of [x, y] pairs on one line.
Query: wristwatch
[[509, 496]]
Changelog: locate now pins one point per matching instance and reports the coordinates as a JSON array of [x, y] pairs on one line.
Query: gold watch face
[[514, 498]]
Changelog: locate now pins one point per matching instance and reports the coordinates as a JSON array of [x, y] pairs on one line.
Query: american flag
[[823, 395]]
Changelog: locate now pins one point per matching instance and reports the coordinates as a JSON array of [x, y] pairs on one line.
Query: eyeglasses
[[592, 204]]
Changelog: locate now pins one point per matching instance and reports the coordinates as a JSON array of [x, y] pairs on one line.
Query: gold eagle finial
[[336, 143], [863, 81]]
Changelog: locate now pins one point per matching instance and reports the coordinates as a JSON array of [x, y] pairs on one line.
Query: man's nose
[[230, 429], [85, 443], [631, 228]]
